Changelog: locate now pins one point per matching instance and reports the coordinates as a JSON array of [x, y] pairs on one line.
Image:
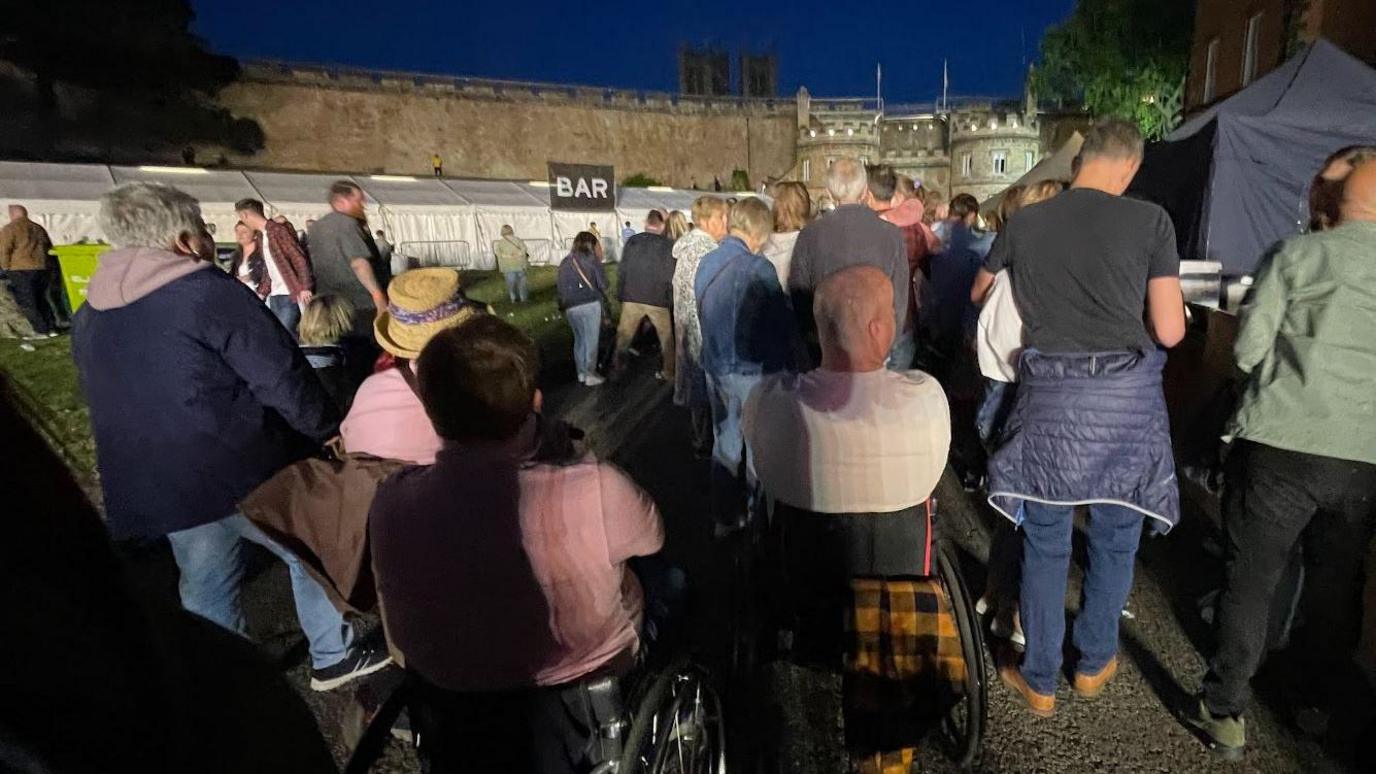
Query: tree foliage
[[1125, 58], [640, 180], [129, 68]]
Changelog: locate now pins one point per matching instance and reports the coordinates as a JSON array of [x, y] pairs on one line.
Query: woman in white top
[[248, 265], [792, 211]]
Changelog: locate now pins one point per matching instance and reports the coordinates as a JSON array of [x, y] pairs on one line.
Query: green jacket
[[511, 254], [1308, 346]]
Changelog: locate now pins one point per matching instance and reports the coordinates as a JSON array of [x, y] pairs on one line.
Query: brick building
[[1238, 41]]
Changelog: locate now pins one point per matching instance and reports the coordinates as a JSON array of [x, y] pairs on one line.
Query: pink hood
[[129, 273], [906, 214]]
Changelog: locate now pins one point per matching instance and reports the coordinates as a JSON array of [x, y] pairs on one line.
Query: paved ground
[[1132, 728]]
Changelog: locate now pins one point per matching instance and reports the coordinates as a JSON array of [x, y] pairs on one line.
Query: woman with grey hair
[[197, 396]]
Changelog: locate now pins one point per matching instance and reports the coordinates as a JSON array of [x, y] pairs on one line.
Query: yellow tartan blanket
[[903, 669]]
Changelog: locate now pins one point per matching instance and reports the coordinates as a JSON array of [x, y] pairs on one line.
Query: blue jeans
[[1113, 532], [732, 478], [586, 322], [516, 286], [287, 311], [212, 571], [903, 352]]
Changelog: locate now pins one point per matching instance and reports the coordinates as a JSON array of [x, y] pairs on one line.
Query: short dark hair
[[654, 218], [342, 188], [963, 205], [252, 205], [585, 242], [477, 380], [1112, 138], [882, 182]]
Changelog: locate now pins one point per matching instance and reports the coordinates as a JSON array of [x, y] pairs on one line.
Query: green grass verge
[[46, 381]]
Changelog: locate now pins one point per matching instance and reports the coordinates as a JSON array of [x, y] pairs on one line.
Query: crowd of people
[[792, 339]]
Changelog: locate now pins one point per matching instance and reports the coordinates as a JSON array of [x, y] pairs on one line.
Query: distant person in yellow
[[512, 260], [437, 164]]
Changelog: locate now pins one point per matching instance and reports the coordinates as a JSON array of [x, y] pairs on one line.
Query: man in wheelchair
[[850, 454], [502, 569]]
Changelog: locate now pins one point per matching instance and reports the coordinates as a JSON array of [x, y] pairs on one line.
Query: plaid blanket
[[903, 669]]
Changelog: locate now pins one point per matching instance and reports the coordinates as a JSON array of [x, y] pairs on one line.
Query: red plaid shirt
[[291, 259]]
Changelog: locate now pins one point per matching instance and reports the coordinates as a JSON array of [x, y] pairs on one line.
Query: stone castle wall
[[324, 119]]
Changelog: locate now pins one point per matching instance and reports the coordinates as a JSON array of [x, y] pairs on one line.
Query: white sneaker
[[593, 380], [582, 379], [27, 347], [982, 606]]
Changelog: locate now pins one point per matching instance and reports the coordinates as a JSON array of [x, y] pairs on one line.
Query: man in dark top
[[1096, 278], [347, 263], [850, 235], [645, 289]]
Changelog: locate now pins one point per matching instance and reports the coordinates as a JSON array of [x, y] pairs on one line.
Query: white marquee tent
[[433, 222]]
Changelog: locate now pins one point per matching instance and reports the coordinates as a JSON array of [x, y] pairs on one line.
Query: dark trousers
[[31, 293], [1273, 500]]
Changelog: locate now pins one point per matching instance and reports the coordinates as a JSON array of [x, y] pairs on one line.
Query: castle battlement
[[490, 89]]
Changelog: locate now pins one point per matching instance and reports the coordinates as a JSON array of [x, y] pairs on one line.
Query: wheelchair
[[759, 635], [664, 718]]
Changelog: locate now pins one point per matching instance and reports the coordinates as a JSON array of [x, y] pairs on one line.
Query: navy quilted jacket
[[1088, 429]]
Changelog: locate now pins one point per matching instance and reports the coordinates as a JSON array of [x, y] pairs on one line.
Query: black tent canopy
[[1235, 178]]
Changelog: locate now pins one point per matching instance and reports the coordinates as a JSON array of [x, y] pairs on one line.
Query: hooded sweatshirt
[[129, 273], [197, 393]]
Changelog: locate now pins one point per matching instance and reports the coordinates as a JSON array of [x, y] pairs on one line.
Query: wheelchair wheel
[[962, 729], [679, 726]]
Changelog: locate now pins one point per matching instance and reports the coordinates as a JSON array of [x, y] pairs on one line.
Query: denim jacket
[[747, 327]]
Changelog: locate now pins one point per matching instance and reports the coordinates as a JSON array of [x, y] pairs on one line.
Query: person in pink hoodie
[[896, 199]]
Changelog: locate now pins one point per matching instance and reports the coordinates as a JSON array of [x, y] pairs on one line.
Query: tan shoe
[[1041, 705], [1090, 686]]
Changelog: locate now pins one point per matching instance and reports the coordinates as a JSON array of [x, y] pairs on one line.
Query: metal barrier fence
[[455, 253]]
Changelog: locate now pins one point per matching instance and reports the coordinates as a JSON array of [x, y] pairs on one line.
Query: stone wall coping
[[354, 78]]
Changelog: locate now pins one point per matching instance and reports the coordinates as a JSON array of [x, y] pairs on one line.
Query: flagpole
[[945, 84]]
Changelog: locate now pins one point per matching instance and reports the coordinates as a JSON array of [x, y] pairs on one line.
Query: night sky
[[830, 47]]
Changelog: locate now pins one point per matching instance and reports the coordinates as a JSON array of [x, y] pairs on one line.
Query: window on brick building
[[1029, 158], [807, 170], [967, 164], [1211, 71], [865, 160], [1000, 161], [1249, 49]]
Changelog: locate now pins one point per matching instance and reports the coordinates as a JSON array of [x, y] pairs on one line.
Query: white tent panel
[[63, 198], [433, 236], [303, 196], [216, 189], [568, 224], [497, 203], [531, 224]]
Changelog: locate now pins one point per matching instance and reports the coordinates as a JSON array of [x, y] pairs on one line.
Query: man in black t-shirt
[[1085, 266], [1096, 279]]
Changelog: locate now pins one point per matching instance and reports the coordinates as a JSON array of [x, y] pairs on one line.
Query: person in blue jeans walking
[[747, 333], [581, 286], [198, 395], [512, 261], [1089, 426]]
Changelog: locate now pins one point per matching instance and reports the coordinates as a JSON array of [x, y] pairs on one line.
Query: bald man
[[1304, 463], [850, 436], [850, 452]]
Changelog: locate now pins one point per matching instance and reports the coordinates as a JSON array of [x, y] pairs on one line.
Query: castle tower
[[992, 145]]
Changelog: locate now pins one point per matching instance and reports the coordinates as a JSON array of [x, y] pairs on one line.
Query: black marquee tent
[[1235, 178]]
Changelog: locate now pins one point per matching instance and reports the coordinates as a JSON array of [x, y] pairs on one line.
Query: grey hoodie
[[126, 274]]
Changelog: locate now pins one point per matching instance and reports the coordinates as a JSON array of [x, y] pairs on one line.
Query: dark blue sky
[[830, 47]]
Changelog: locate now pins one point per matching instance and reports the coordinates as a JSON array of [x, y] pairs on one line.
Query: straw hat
[[421, 303]]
